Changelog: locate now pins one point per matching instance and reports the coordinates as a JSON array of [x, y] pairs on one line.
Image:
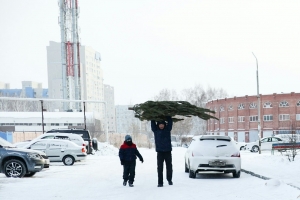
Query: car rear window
[[215, 138]]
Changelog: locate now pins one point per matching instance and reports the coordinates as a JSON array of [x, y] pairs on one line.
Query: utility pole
[[42, 105], [258, 106]]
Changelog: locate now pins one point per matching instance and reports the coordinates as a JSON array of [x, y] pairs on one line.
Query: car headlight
[[34, 155]]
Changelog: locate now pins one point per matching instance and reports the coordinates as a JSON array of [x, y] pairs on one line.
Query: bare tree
[[166, 95], [293, 145]]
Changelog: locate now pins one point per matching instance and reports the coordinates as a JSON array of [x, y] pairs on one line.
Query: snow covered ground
[[100, 177]]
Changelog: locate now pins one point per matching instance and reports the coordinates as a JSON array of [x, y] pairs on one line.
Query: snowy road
[[100, 177]]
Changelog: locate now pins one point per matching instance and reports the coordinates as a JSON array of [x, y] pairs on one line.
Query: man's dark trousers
[[167, 157], [129, 171]]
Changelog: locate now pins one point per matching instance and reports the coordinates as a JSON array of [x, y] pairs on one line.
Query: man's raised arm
[[170, 123], [153, 125]]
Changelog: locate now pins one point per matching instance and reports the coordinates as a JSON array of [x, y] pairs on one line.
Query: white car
[[212, 153], [266, 144], [241, 145], [60, 150], [77, 139]]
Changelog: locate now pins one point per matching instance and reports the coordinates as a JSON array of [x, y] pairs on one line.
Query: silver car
[[60, 150]]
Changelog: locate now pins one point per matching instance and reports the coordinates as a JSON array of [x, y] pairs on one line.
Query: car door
[[56, 149], [39, 145], [275, 140], [266, 143], [189, 150]]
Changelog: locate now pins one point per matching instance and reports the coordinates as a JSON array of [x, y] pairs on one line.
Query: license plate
[[217, 163]]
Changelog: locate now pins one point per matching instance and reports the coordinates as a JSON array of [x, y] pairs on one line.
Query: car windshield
[[5, 143]]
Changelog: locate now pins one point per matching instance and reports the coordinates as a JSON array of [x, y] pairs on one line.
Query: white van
[[77, 139]]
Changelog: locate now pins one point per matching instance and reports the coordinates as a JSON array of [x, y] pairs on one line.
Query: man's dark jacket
[[162, 137], [128, 153]]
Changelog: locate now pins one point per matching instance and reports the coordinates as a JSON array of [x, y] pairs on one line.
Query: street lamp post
[[258, 106]]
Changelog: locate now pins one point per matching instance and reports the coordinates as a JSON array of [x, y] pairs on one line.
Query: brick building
[[238, 116]]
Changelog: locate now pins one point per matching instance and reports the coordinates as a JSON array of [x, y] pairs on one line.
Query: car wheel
[[192, 174], [255, 148], [186, 168], [14, 168], [68, 160], [30, 174], [242, 148], [236, 174]]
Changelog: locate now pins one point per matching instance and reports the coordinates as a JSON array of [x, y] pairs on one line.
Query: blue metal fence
[[7, 136]]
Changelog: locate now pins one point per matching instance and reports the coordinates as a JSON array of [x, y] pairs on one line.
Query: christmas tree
[[158, 110]]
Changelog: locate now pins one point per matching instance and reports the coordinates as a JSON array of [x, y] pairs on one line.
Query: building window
[[230, 120], [298, 103], [230, 107], [284, 117], [221, 108], [222, 120], [216, 121], [268, 105], [253, 105], [298, 117], [268, 117], [253, 118], [284, 104], [241, 118], [241, 106]]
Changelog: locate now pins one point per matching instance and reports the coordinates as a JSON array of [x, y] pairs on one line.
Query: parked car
[[21, 144], [212, 153], [77, 139], [266, 144], [85, 134], [17, 163], [241, 145], [60, 150]]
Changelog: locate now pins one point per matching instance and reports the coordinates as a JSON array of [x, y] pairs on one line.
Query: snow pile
[[273, 182], [105, 149]]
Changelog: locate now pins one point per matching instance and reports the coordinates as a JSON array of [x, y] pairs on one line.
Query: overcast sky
[[149, 45]]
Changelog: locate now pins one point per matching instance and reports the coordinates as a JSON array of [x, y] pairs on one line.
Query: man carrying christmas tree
[[162, 137]]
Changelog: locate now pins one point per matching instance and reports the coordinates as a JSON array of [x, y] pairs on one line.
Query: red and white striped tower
[[70, 53]]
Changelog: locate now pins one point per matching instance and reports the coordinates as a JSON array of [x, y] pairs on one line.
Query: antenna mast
[[70, 53]]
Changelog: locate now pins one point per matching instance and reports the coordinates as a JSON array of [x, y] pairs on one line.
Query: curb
[[265, 178]]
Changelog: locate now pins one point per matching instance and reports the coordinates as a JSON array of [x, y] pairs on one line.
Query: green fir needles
[[158, 110]]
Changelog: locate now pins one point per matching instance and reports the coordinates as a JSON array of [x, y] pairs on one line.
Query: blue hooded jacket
[[162, 137]]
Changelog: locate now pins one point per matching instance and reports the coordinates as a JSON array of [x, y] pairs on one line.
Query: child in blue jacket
[[127, 154]]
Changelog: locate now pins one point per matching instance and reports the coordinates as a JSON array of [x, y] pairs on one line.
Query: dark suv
[[85, 134], [15, 162]]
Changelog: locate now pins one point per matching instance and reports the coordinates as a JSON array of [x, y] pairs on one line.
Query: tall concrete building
[[109, 98], [91, 75]]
